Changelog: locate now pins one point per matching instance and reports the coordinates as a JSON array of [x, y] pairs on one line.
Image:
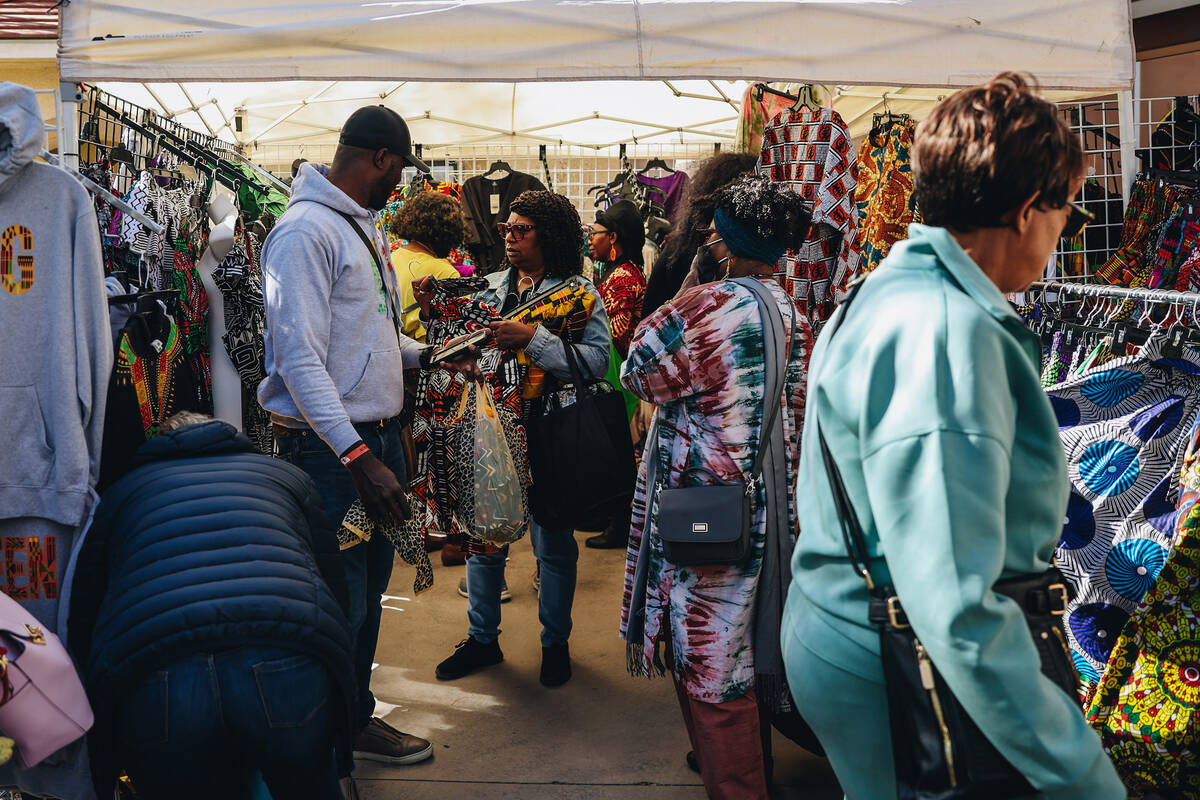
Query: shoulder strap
[[378, 267], [775, 340]]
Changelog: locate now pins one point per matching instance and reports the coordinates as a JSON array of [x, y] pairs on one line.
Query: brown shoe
[[453, 555], [383, 743]]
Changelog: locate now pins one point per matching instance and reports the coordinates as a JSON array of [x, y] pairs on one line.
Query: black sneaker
[[607, 541], [469, 655], [556, 665]]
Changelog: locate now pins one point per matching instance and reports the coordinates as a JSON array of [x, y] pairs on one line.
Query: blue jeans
[[203, 726], [558, 554], [369, 565]]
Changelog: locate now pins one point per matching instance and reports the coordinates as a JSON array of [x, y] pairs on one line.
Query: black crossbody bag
[[939, 752]]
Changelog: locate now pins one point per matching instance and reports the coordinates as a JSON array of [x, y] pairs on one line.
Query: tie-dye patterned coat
[[700, 358]]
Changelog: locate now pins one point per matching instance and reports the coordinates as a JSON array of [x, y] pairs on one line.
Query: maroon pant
[[729, 742]]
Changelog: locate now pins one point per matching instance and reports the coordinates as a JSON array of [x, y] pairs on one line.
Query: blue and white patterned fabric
[[1124, 427]]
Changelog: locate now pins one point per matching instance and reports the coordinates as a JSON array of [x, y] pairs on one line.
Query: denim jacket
[[546, 350]]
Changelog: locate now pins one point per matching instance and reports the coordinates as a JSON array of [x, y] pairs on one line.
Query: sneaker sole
[[396, 761]]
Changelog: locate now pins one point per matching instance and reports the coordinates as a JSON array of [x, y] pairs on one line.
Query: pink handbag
[[43, 705]]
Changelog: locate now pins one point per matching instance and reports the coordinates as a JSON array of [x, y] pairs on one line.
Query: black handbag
[[710, 523], [580, 453], [939, 751]]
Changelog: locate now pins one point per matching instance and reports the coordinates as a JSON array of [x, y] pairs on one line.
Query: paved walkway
[[500, 734]]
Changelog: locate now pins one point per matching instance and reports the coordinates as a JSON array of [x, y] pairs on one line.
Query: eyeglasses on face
[[1077, 221], [598, 232], [517, 229]]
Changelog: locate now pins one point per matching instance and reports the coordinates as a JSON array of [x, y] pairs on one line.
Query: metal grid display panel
[[1097, 125], [1154, 115], [573, 170]]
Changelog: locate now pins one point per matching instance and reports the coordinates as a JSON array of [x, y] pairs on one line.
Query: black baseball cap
[[377, 128]]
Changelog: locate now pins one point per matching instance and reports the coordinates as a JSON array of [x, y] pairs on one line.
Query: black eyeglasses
[[595, 232], [1079, 219], [517, 229]]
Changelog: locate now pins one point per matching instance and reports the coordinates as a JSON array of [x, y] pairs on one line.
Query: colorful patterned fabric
[[1149, 204], [884, 196], [700, 358], [623, 290], [459, 256], [755, 116], [1147, 703], [1124, 428], [809, 151], [1058, 362]]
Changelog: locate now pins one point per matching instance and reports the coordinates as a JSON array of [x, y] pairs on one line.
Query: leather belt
[[284, 431]]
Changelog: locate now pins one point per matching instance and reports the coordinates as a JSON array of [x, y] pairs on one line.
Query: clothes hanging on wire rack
[[460, 257], [666, 191], [486, 202], [809, 151], [884, 195], [1159, 221]]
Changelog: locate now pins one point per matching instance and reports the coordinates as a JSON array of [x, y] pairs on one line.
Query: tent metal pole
[[68, 123], [1127, 126]]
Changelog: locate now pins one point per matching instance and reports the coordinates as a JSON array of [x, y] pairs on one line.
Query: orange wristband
[[355, 452]]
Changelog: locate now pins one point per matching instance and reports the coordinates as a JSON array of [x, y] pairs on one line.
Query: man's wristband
[[355, 452]]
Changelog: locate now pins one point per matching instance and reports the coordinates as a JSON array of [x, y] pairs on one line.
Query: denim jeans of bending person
[[369, 565], [203, 726], [558, 554]]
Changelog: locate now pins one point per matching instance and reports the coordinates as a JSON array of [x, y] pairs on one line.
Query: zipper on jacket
[[925, 666]]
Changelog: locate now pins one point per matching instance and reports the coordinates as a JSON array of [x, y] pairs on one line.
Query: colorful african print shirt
[[884, 196], [700, 358], [1147, 703], [623, 291], [1124, 427], [809, 151]]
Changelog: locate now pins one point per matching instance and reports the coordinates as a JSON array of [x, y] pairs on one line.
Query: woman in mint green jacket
[[928, 394]]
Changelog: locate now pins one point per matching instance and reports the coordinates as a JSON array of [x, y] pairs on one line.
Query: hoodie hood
[[22, 129], [312, 185]]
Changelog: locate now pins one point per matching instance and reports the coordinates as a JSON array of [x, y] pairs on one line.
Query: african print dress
[[700, 358]]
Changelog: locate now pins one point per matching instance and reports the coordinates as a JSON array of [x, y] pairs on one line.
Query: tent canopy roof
[[1075, 44]]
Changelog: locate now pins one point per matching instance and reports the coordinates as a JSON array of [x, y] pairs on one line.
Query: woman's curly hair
[[769, 210], [432, 219], [559, 230]]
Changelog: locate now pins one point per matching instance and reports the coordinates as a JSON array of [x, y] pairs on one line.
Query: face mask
[[706, 264]]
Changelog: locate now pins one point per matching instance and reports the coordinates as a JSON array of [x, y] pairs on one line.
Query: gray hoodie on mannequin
[[333, 355]]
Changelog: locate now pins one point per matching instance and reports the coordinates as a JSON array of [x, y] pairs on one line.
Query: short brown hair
[[985, 150], [433, 219]]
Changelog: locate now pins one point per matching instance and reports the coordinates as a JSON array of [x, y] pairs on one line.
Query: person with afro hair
[[431, 224], [701, 358], [543, 243]]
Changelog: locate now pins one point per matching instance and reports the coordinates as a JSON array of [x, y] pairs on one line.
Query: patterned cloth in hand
[[405, 536], [1125, 428], [1147, 704]]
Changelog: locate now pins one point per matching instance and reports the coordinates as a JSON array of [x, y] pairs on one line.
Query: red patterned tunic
[[623, 292]]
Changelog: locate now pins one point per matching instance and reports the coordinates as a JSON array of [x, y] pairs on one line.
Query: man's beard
[[380, 193]]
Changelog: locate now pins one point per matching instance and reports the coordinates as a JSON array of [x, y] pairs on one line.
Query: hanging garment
[[239, 278], [459, 256], [809, 151], [1125, 427], [484, 242], [1146, 705], [1058, 361], [1149, 205], [884, 195], [670, 188], [1173, 142], [1175, 244], [755, 116]]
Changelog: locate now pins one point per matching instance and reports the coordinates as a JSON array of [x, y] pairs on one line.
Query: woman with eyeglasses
[[542, 248], [925, 385], [702, 358]]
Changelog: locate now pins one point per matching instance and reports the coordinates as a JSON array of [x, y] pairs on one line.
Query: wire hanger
[[498, 166], [655, 163]]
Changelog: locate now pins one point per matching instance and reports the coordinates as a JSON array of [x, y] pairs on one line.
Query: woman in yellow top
[[431, 224]]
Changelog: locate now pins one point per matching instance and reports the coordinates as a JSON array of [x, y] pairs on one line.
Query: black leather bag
[[710, 523], [939, 751], [580, 453]]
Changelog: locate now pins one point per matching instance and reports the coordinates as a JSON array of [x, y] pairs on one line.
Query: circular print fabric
[[1079, 526], [1065, 411], [1133, 565], [1110, 387], [1158, 420], [1096, 627], [1109, 468], [1084, 667], [1160, 508], [1180, 364]]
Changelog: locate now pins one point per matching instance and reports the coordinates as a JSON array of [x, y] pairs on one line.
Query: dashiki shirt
[[809, 151], [884, 196], [700, 358], [623, 291], [1147, 704], [1124, 427]]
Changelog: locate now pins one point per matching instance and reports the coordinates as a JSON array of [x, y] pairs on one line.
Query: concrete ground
[[500, 734]]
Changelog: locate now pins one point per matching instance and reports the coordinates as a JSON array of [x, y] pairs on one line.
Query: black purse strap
[[379, 267], [852, 532], [772, 326]]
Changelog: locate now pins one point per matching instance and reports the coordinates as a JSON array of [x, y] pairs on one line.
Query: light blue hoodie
[[332, 353]]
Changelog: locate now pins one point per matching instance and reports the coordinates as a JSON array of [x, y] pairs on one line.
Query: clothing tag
[[157, 345], [494, 203]]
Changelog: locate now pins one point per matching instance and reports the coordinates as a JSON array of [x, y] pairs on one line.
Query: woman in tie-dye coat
[[701, 359]]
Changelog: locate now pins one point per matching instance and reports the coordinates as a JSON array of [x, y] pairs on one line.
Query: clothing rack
[[1163, 296], [104, 194]]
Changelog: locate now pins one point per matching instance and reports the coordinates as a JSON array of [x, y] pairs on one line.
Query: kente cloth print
[[1125, 427], [1146, 705], [809, 151]]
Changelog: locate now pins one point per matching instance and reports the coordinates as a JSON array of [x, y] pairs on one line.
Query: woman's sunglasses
[[1077, 221], [517, 229]]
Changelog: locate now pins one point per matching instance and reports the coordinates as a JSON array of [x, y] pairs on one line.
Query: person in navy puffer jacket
[[208, 617]]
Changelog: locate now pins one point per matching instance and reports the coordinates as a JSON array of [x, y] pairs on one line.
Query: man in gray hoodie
[[335, 364]]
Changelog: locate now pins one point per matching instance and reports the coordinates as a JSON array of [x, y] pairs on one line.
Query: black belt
[[283, 431]]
